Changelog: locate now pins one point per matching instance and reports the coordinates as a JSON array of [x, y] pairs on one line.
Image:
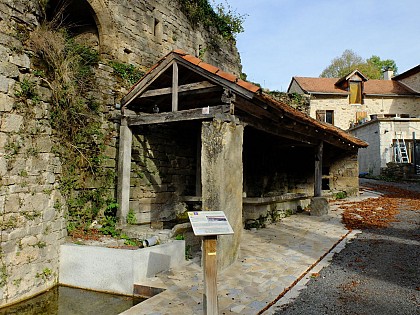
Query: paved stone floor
[[271, 260]]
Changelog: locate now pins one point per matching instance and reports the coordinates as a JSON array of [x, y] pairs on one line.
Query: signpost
[[209, 224]]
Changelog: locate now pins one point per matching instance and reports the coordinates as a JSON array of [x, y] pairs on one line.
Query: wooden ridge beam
[[182, 115]]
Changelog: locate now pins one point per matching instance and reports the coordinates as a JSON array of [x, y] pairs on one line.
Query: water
[[63, 300]]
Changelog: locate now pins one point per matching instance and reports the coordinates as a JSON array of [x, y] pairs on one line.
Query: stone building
[[32, 207], [348, 101], [228, 146], [384, 113]]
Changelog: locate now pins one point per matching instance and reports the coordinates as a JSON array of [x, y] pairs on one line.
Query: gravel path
[[377, 273]]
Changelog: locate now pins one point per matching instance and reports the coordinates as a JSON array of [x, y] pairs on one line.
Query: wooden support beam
[[124, 171], [203, 86], [184, 115], [210, 275], [278, 131], [175, 87], [318, 170]]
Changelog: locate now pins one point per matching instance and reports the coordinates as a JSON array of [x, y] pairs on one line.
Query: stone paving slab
[[271, 260]]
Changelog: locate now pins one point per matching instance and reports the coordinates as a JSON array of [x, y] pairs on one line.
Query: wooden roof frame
[[261, 110]]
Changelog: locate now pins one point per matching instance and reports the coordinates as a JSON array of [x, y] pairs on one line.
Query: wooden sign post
[[210, 275], [209, 224]]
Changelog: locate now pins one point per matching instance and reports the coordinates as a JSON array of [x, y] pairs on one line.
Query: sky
[[286, 38]]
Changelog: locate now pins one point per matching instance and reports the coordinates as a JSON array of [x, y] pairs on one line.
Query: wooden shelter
[[248, 148]]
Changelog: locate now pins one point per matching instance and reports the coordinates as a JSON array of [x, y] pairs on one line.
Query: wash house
[[194, 137]]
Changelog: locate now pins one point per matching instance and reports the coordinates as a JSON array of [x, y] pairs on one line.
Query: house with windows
[[385, 113]]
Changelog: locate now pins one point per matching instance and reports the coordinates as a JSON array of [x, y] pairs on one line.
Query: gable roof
[[256, 100], [371, 87]]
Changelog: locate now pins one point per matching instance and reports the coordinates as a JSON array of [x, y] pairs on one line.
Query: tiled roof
[[256, 90], [319, 85], [327, 86], [386, 87]]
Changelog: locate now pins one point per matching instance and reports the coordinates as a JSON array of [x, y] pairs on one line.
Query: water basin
[[62, 300]]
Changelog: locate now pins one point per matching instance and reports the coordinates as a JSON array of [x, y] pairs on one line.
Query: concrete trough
[[116, 270]]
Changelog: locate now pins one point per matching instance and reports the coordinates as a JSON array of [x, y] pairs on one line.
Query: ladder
[[401, 155]]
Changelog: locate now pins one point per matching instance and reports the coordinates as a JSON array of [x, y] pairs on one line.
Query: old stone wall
[[32, 208], [164, 165], [344, 173], [145, 31]]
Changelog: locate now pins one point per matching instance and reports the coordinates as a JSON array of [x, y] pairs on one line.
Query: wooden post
[[124, 170], [318, 170], [175, 87], [210, 275]]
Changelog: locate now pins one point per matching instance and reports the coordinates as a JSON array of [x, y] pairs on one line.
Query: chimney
[[388, 73]]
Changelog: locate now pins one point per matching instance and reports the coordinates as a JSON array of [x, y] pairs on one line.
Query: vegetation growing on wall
[[224, 19], [295, 100], [76, 121]]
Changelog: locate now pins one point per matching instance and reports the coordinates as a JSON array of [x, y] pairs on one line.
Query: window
[[325, 116], [355, 92]]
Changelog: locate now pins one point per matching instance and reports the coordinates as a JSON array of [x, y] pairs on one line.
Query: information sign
[[209, 223]]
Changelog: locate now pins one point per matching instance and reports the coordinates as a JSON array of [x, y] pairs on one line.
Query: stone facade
[[345, 113], [32, 209], [381, 134]]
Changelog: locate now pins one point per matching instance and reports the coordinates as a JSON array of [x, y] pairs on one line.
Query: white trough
[[116, 270]]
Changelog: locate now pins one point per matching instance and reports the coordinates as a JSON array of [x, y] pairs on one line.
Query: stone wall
[[31, 206], [344, 173], [412, 81], [32, 209], [164, 164], [345, 113]]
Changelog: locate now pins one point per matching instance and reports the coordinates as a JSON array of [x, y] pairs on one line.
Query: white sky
[[285, 38]]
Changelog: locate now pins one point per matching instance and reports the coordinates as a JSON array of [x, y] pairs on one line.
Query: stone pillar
[[222, 179], [124, 170]]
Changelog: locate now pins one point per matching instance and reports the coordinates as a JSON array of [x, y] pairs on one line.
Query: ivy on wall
[[76, 119], [224, 19]]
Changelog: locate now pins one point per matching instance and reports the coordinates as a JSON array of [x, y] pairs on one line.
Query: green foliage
[[341, 195], [45, 274], [131, 217], [224, 19], [129, 73], [130, 241], [109, 223], [179, 237], [76, 119], [295, 100], [350, 61]]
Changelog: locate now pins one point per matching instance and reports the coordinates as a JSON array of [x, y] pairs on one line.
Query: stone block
[[9, 69], [319, 206], [21, 60], [11, 122]]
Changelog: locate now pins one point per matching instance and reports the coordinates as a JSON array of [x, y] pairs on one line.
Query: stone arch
[[88, 20]]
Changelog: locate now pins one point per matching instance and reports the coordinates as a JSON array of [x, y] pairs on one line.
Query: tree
[[350, 61]]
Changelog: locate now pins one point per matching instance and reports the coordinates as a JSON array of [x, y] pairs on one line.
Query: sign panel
[[209, 223]]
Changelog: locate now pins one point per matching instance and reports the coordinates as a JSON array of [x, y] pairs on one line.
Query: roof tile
[[208, 67], [228, 76], [180, 52], [191, 59], [249, 86]]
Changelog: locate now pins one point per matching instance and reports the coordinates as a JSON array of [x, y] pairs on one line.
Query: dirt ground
[[379, 271]]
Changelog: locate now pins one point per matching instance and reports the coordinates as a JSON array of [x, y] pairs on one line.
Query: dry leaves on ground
[[379, 212]]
